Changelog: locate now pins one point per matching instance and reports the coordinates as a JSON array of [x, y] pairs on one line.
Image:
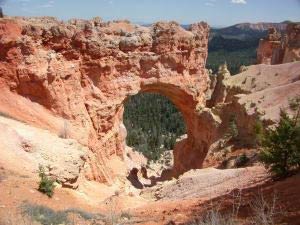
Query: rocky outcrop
[[81, 72], [24, 148], [260, 92], [219, 91], [292, 46], [267, 48], [277, 49]]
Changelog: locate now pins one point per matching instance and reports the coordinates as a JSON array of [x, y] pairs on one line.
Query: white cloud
[[239, 1]]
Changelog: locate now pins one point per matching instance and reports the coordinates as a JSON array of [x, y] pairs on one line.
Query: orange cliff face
[[81, 72], [292, 50], [278, 49]]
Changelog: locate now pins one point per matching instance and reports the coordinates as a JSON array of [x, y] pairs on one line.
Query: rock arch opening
[[189, 152], [153, 125]]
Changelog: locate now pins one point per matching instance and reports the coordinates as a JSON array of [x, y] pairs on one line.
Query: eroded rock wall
[[83, 71], [277, 48], [292, 50], [258, 93]]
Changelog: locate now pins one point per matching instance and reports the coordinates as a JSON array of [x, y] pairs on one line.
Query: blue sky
[[215, 12]]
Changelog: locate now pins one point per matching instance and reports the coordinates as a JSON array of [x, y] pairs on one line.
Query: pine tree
[[281, 146]]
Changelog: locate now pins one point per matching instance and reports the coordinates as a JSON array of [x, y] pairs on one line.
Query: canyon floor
[[182, 200]]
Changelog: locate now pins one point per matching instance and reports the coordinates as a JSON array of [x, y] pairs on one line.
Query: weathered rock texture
[[23, 148], [260, 92], [83, 72], [277, 49]]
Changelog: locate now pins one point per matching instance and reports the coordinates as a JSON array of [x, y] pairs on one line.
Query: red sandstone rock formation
[[292, 47], [261, 91], [267, 47], [83, 71], [275, 49]]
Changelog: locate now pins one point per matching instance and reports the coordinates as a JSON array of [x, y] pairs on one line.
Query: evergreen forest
[[153, 124]]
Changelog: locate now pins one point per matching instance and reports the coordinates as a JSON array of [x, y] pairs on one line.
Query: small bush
[[46, 184], [258, 130], [232, 132], [83, 214], [214, 217], [281, 145], [241, 161], [9, 217], [45, 215], [264, 212]]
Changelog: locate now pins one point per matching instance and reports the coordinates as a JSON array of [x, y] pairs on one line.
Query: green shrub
[[281, 145], [241, 161], [232, 132], [46, 184], [258, 130]]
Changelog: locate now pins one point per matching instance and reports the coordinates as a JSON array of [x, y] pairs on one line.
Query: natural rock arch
[[185, 103], [84, 70]]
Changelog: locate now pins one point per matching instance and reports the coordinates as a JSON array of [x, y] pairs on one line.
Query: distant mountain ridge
[[243, 31], [237, 44], [258, 26]]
